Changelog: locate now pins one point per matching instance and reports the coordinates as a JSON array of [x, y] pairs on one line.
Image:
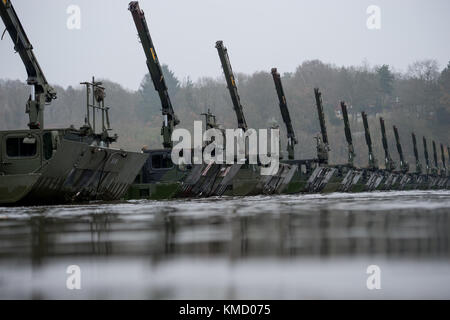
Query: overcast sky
[[260, 34]]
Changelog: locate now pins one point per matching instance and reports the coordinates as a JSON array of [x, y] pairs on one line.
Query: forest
[[416, 100]]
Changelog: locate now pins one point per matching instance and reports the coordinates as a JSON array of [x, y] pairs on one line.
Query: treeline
[[417, 100]]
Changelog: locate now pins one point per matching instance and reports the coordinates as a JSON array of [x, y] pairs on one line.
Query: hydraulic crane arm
[[448, 155], [403, 165], [42, 93], [231, 83], [322, 146], [390, 165], [319, 104], [292, 140], [435, 157], [416, 153], [399, 146], [348, 134], [154, 67], [425, 153], [372, 160], [383, 138], [443, 158]]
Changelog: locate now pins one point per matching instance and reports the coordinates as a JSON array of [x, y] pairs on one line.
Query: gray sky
[[259, 34]]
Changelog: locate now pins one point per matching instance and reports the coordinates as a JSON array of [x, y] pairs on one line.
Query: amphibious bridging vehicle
[[53, 166]]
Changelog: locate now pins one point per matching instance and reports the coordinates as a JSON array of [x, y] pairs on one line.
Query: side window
[[20, 147], [48, 145]]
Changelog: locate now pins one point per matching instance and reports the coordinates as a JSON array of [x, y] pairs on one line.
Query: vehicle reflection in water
[[256, 247]]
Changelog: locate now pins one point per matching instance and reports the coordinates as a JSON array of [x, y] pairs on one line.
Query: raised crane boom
[[231, 83], [372, 160], [448, 155], [322, 144], [42, 92], [404, 167], [390, 165], [292, 140], [170, 119], [444, 166], [435, 158], [348, 134], [416, 154], [425, 153]]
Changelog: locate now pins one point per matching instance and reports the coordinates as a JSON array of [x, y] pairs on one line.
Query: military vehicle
[[434, 175], [416, 154], [322, 173], [159, 177], [166, 180], [346, 177], [430, 177], [210, 179], [40, 165], [440, 174], [360, 179], [217, 179], [317, 174], [444, 166], [404, 177], [239, 178], [355, 180], [391, 177], [52, 166], [305, 167], [248, 179], [291, 139], [418, 179], [373, 175], [310, 175], [444, 172], [447, 167], [325, 177]]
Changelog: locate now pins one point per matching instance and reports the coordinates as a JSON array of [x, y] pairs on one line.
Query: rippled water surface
[[279, 247]]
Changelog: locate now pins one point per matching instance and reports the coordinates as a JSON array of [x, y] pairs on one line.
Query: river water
[[264, 247]]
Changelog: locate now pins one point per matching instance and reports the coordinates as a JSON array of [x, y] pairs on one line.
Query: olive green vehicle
[[233, 179], [53, 166], [239, 179], [444, 172], [316, 175], [303, 167], [418, 180], [63, 165], [160, 178], [372, 176], [324, 178], [248, 179], [438, 175], [310, 175]]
